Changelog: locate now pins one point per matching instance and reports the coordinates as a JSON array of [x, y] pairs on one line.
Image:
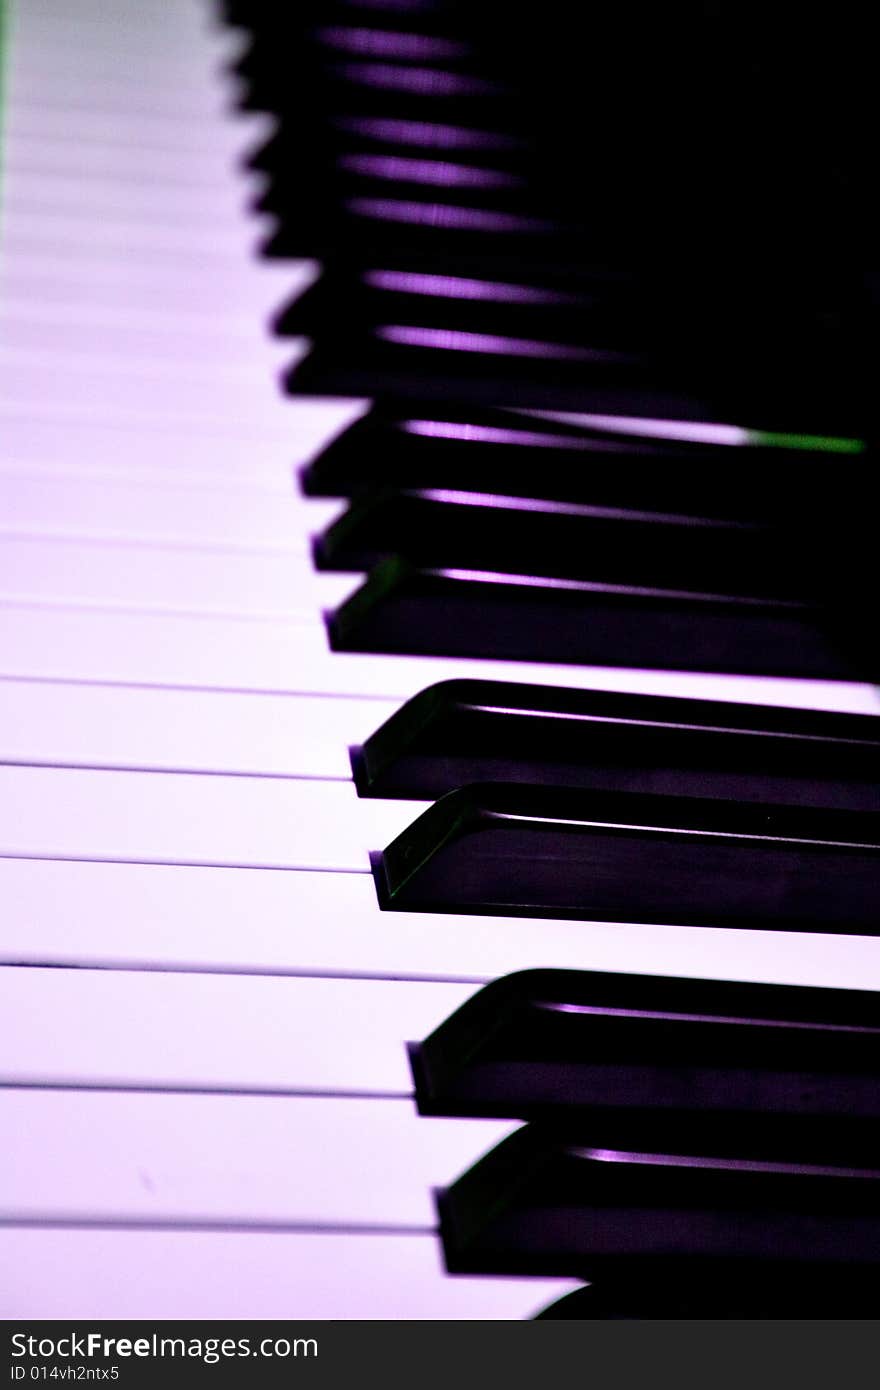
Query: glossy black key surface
[[539, 1043], [463, 731], [506, 219], [615, 1198], [564, 541], [502, 453], [630, 348], [625, 857], [464, 613]]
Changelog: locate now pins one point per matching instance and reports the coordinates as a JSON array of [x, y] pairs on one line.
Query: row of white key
[[244, 922], [147, 463]]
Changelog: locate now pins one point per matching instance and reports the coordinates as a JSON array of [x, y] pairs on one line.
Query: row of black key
[[429, 149], [455, 268], [697, 1149], [413, 301]]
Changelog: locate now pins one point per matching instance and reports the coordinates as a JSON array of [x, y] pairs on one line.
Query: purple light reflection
[[456, 340], [491, 434], [665, 1016], [533, 581], [734, 1165], [429, 134], [445, 216], [457, 287], [419, 80], [389, 44], [437, 173], [556, 508], [696, 728], [691, 431]]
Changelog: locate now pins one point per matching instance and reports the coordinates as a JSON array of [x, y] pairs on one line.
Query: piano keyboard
[[204, 1073]]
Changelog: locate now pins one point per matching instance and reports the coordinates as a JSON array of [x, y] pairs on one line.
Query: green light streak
[[814, 443]]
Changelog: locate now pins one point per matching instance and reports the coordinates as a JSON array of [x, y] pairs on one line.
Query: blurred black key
[[465, 613], [724, 378], [465, 731], [542, 309], [688, 330], [540, 1043], [616, 1198], [621, 857]]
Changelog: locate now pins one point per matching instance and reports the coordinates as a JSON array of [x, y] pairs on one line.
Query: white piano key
[[142, 445], [178, 86], [150, 21], [137, 130], [175, 650], [81, 253], [98, 335], [223, 390], [229, 1160], [139, 1030], [156, 205], [63, 570], [107, 159], [43, 65], [41, 226], [172, 1275], [142, 405], [241, 921], [115, 508], [97, 317], [85, 296], [187, 818], [73, 1027], [39, 280], [109, 726]]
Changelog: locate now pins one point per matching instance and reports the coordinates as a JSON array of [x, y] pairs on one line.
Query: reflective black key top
[[605, 1199], [463, 731], [540, 1042], [510, 535], [500, 452], [620, 857], [466, 613]]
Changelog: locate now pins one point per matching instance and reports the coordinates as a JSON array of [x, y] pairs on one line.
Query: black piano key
[[474, 303], [724, 380], [340, 134], [352, 173], [595, 1201], [386, 226], [633, 317], [464, 731], [336, 33], [539, 1043], [384, 66], [745, 1292], [437, 528], [464, 613], [499, 452], [625, 857], [640, 184]]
